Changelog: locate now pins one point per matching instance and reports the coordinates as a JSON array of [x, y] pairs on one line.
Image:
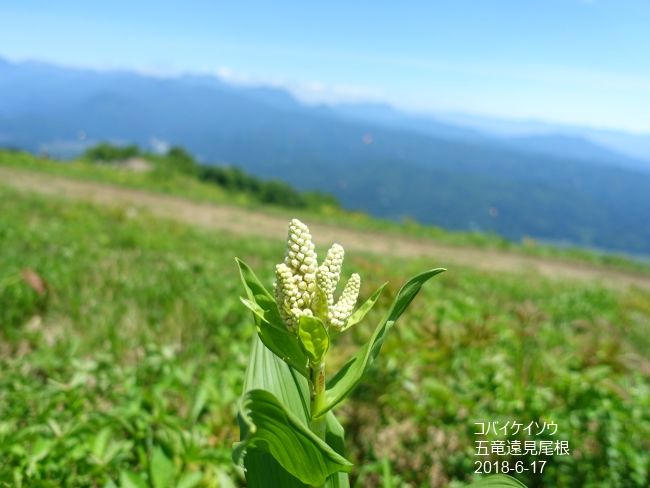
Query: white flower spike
[[295, 284], [300, 281], [343, 308], [329, 273]]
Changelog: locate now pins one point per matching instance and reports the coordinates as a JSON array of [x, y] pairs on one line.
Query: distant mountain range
[[618, 148], [564, 184]]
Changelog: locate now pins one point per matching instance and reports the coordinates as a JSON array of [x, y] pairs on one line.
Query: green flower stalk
[[286, 420]]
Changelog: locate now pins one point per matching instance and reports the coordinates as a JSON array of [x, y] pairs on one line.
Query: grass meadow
[[123, 347]]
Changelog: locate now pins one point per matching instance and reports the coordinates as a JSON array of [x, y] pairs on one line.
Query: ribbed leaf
[[349, 376], [313, 338], [281, 341], [497, 481], [267, 426], [272, 331], [265, 309], [335, 438], [268, 372], [361, 312]]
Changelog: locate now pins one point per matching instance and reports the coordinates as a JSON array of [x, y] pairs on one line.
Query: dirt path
[[247, 222]]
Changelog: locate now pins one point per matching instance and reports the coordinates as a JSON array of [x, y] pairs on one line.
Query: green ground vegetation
[[123, 348]]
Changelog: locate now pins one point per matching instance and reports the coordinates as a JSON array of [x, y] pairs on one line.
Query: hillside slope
[[449, 179], [245, 222], [123, 350]]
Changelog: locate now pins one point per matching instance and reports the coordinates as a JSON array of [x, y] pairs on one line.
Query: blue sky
[[572, 61]]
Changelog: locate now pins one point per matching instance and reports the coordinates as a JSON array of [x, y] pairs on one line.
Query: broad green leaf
[[361, 312], [263, 471], [497, 481], [162, 469], [267, 426], [272, 331], [259, 295], [40, 450], [284, 343], [264, 310], [313, 338], [99, 445], [129, 479], [190, 480], [267, 371], [251, 282], [335, 438], [224, 480], [349, 376]]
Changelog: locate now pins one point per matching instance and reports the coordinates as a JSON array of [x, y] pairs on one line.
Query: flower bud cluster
[[295, 285], [340, 312], [329, 273], [300, 281]]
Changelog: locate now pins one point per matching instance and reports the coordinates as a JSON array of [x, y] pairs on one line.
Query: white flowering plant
[[289, 434]]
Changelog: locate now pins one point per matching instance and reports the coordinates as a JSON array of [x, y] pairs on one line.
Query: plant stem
[[317, 393]]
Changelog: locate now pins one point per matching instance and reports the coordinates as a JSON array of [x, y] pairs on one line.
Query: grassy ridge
[[166, 179], [123, 363]]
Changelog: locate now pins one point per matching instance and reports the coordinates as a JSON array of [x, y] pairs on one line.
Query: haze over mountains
[[567, 184]]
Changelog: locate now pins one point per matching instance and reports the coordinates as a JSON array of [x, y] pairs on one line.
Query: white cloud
[[230, 76], [317, 92], [311, 92]]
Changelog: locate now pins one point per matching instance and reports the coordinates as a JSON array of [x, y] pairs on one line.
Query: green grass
[[131, 362], [167, 181]]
